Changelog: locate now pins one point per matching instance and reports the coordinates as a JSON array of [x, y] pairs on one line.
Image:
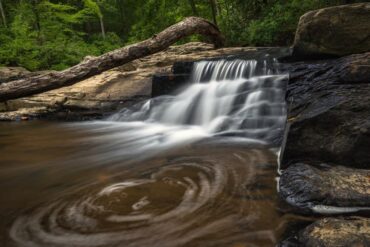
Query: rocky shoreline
[[325, 159]]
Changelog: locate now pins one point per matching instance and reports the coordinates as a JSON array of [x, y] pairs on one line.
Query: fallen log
[[91, 66]]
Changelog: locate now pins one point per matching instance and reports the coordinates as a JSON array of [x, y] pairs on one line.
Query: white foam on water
[[327, 209], [241, 98]]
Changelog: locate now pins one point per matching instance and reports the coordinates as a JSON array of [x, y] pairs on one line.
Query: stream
[[195, 169]]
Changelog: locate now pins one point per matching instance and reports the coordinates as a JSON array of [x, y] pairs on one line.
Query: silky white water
[[239, 98]]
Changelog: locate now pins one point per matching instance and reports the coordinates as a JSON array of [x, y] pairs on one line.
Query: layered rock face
[[326, 158], [329, 112], [334, 31], [328, 127], [110, 90], [325, 161]]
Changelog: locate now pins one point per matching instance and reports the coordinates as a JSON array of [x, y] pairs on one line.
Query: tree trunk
[[37, 19], [193, 7], [102, 26], [120, 8], [2, 13], [94, 65], [214, 11]]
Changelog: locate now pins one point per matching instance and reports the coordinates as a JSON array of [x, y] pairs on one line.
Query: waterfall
[[227, 97], [204, 191]]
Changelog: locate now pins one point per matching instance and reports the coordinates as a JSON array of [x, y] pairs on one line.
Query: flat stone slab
[[334, 232], [326, 189]]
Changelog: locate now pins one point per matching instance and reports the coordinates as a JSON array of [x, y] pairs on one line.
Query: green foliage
[[265, 22], [49, 36], [93, 7], [55, 34]]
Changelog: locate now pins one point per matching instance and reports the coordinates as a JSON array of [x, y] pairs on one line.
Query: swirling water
[[194, 169]]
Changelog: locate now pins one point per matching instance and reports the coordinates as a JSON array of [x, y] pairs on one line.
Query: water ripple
[[180, 202]]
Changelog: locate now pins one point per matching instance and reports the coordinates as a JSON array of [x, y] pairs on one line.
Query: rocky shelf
[[108, 91]]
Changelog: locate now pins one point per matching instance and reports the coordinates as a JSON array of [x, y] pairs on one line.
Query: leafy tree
[[93, 7], [55, 34]]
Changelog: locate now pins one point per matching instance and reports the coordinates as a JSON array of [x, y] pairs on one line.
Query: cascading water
[[243, 98], [208, 196]]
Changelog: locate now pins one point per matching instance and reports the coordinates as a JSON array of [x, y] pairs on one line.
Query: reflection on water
[[197, 195]]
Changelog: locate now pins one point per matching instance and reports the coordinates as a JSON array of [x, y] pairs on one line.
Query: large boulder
[[329, 112], [326, 189], [334, 31]]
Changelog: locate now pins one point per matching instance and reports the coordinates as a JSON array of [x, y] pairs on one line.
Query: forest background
[[56, 34]]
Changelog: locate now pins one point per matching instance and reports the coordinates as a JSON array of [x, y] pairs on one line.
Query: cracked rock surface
[[352, 232], [317, 189]]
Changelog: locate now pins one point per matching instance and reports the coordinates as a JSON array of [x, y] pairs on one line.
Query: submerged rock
[[329, 112], [325, 189], [334, 31], [332, 232]]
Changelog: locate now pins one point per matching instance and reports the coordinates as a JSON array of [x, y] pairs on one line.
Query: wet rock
[[326, 189], [334, 31], [329, 112], [332, 232], [23, 114], [168, 84]]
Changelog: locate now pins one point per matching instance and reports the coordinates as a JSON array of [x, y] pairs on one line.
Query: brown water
[[62, 186]]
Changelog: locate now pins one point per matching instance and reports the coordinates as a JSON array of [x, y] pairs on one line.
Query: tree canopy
[[56, 34]]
